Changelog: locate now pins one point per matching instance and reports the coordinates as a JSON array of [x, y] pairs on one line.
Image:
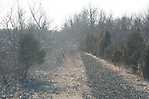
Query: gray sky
[[58, 10]]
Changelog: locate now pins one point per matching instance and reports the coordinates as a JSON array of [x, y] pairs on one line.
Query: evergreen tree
[[146, 65], [105, 42], [135, 46], [90, 43], [30, 52]]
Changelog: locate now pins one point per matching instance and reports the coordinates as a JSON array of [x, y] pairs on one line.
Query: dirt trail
[[72, 77]]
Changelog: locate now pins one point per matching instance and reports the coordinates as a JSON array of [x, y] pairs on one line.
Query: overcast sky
[[58, 10]]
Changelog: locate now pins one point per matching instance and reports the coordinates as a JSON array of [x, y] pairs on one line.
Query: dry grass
[[135, 80]]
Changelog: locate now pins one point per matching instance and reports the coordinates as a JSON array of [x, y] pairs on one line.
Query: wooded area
[[123, 41]]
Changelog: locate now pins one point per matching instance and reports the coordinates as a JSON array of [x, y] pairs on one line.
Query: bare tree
[[39, 18], [21, 19], [8, 21]]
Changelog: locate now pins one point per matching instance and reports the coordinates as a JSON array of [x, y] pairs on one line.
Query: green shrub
[[30, 52]]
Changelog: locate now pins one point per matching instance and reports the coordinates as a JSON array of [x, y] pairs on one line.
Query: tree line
[[122, 40]]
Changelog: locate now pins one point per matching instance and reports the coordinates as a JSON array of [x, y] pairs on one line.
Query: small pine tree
[[30, 52], [146, 65], [135, 45], [116, 57], [105, 42], [90, 43]]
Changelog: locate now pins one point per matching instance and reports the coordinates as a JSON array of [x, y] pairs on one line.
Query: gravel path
[[72, 77], [107, 84]]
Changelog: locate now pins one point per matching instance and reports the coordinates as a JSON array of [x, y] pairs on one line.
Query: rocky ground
[[108, 83], [66, 81], [78, 76]]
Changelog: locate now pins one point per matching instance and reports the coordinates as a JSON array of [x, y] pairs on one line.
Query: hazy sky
[[58, 10]]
